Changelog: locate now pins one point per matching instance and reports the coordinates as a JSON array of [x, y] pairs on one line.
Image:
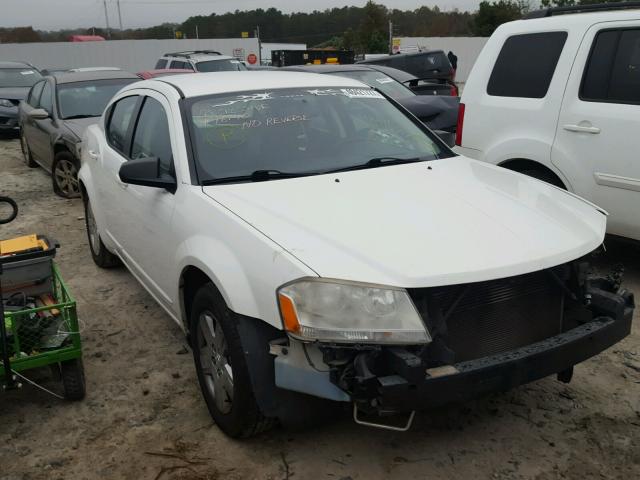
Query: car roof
[[15, 65], [328, 68], [230, 82], [401, 55], [567, 21], [71, 77], [198, 57]]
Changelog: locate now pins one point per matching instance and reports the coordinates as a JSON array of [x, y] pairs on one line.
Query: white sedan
[[319, 245]]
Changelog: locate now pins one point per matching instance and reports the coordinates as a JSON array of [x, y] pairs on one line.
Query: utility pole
[[390, 37], [197, 33], [106, 17], [119, 14], [259, 45]]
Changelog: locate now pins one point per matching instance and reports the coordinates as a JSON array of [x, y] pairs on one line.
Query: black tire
[[26, 151], [240, 416], [64, 175], [101, 256], [545, 177], [72, 373]]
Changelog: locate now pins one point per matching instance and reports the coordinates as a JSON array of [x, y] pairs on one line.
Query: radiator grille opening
[[495, 316]]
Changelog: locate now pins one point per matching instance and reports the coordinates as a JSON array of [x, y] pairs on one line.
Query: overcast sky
[[55, 14]]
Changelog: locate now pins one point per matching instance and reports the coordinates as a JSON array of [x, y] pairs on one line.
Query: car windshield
[[382, 82], [227, 65], [87, 99], [18, 77], [302, 131]]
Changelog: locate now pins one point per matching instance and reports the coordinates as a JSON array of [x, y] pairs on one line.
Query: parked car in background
[[438, 113], [163, 72], [16, 78], [200, 61], [54, 116], [95, 69], [570, 117], [417, 85], [433, 64], [319, 244]]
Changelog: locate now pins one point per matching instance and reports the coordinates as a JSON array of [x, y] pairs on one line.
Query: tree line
[[363, 29]]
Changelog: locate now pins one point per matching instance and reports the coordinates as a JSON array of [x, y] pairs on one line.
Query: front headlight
[[349, 312], [5, 103]]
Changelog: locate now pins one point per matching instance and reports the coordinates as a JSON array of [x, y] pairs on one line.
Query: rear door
[[597, 138]]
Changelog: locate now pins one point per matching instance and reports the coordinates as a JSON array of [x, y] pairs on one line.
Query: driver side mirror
[[146, 172], [38, 114]]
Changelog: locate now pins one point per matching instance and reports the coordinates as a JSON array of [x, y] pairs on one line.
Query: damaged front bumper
[[386, 380]]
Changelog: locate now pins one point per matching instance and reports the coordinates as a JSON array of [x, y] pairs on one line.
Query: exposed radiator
[[495, 316]]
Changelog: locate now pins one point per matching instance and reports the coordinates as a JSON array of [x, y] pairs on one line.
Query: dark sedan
[[16, 78], [55, 115], [439, 113]]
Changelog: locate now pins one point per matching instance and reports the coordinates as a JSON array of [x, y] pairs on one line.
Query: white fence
[[466, 49], [131, 55]]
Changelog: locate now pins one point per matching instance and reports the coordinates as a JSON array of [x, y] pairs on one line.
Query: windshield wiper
[[73, 117], [257, 176], [377, 162]]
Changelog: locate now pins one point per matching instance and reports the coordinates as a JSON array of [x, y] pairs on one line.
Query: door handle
[[581, 129]]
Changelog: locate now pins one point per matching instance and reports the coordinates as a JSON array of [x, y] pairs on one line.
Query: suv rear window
[[612, 73], [162, 64], [526, 64]]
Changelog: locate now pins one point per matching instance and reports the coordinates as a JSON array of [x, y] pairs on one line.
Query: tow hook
[[383, 426]]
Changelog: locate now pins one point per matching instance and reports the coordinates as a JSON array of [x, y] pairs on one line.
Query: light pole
[[106, 17], [119, 14]]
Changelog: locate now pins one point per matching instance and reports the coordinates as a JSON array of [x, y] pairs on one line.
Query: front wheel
[[101, 256], [64, 174], [222, 368]]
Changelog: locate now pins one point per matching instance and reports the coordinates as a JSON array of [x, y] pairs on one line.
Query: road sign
[[245, 34]]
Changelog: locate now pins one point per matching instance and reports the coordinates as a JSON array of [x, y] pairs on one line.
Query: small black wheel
[[26, 151], [64, 174], [545, 177], [72, 373], [222, 368], [101, 256]]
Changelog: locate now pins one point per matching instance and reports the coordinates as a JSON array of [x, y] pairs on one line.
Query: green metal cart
[[39, 320]]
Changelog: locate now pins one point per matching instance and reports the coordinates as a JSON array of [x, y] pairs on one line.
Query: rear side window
[[152, 138], [179, 64], [612, 73], [162, 63], [119, 123], [526, 64]]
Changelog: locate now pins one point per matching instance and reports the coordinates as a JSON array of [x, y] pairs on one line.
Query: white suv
[[200, 61], [320, 244], [558, 98]]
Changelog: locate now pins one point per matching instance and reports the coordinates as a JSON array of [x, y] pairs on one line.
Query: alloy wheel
[[66, 177], [215, 362]]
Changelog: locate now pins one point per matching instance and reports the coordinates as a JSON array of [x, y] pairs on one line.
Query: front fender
[[247, 276]]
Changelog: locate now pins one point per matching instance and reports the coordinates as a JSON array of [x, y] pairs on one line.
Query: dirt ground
[[143, 417]]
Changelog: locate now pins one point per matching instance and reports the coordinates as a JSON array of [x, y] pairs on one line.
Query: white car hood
[[425, 224]]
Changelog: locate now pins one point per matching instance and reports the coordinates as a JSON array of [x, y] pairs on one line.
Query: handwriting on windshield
[[275, 121]]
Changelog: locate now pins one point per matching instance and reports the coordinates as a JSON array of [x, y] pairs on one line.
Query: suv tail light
[[459, 125], [454, 90]]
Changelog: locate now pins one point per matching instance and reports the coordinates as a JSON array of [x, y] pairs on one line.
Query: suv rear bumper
[[503, 371]]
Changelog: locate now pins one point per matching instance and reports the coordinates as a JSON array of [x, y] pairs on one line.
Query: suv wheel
[[101, 256], [221, 367], [26, 151], [64, 173], [545, 177]]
